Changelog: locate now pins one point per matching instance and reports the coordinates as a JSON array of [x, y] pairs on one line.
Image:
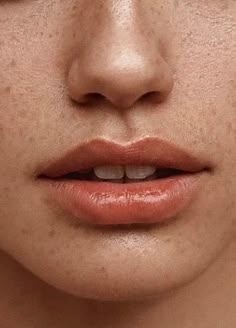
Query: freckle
[[13, 63], [51, 233], [225, 5], [176, 3], [52, 252], [102, 270], [8, 89], [30, 139], [22, 114], [229, 126], [6, 189], [24, 231], [41, 33]]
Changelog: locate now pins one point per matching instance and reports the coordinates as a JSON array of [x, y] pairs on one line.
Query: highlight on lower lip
[[111, 203]]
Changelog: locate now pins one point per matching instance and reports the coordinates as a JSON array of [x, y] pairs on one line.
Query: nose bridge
[[121, 59], [117, 14], [126, 32], [118, 28], [123, 30]]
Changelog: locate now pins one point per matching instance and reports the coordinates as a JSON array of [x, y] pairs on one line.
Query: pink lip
[[105, 203]]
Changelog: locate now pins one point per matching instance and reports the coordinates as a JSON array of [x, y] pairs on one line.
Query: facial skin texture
[[54, 52]]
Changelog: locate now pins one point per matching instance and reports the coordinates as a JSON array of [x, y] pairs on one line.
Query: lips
[[102, 202]]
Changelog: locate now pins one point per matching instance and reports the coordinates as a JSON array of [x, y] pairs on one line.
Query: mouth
[[120, 174], [104, 183]]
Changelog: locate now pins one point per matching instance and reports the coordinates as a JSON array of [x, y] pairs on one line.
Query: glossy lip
[[113, 203]]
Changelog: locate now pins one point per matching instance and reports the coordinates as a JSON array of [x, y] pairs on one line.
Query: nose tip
[[122, 62], [121, 79]]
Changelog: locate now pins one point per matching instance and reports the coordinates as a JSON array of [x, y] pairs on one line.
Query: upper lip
[[147, 151]]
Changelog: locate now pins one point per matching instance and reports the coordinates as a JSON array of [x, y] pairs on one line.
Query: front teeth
[[118, 172], [139, 172], [109, 172]]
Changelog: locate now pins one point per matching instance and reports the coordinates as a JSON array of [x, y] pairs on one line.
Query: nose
[[121, 61]]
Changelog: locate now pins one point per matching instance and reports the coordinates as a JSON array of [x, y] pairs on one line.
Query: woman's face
[[54, 53]]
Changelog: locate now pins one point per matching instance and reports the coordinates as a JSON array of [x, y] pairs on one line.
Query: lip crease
[[96, 202]]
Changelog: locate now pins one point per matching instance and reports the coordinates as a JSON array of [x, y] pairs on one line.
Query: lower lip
[[108, 203]]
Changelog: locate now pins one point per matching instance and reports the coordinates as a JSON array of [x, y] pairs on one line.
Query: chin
[[130, 266]]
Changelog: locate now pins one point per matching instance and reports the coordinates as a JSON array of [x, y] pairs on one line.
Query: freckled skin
[[54, 53]]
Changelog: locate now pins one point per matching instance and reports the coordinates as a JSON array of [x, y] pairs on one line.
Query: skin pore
[[52, 53]]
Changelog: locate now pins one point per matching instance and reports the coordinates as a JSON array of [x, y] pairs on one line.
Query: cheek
[[24, 68], [17, 127], [206, 80], [23, 119]]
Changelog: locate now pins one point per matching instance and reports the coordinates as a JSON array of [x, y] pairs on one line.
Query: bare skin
[[53, 53]]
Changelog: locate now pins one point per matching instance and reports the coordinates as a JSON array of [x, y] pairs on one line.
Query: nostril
[[95, 96], [92, 98], [151, 96]]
